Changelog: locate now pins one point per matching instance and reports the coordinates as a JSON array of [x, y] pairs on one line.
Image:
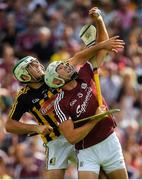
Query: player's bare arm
[[112, 44], [102, 34], [74, 135], [17, 127]]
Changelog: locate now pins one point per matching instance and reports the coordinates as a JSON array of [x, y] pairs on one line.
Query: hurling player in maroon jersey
[[96, 142]]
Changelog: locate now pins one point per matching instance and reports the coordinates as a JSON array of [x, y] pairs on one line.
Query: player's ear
[[57, 81], [25, 77]]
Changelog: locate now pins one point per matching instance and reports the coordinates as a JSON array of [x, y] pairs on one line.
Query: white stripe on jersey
[[57, 108], [90, 65]]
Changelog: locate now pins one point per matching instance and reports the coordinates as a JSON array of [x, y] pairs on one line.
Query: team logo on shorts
[[52, 161]]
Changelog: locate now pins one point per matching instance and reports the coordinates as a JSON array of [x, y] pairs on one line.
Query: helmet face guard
[[20, 69], [51, 74]]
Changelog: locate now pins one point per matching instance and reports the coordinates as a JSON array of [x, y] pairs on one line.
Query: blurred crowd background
[[49, 30]]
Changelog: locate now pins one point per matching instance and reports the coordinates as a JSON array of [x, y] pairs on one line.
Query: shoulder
[[86, 71], [62, 100], [22, 92], [60, 97], [87, 65]]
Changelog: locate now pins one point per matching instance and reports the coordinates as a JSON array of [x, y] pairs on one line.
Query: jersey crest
[[47, 106]]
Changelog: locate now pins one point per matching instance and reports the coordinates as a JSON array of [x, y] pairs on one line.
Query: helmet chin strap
[[36, 80], [73, 77]]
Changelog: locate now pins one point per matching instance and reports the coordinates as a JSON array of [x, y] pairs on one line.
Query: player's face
[[36, 69], [65, 70]]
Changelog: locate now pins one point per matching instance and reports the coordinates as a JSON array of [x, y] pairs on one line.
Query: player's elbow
[[69, 132], [72, 140], [8, 126]]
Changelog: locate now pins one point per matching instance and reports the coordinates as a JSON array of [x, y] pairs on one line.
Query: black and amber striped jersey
[[39, 102]]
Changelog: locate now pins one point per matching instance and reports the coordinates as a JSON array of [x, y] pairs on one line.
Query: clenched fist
[[95, 13], [101, 109], [43, 129]]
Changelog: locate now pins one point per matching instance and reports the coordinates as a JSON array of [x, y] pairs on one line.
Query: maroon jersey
[[81, 102]]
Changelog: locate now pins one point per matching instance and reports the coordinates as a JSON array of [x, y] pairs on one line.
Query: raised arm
[[103, 44], [112, 44], [102, 35]]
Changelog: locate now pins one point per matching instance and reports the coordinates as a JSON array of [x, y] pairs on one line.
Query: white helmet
[[51, 74], [20, 69]]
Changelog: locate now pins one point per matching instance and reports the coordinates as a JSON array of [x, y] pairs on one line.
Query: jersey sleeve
[[86, 72], [61, 112], [18, 108]]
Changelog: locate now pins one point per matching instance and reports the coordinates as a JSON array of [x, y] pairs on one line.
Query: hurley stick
[[88, 36], [98, 116]]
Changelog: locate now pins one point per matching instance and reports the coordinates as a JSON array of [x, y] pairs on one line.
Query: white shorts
[[107, 154], [59, 153]]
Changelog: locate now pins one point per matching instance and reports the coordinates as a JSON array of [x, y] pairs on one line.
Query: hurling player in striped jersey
[[36, 98]]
